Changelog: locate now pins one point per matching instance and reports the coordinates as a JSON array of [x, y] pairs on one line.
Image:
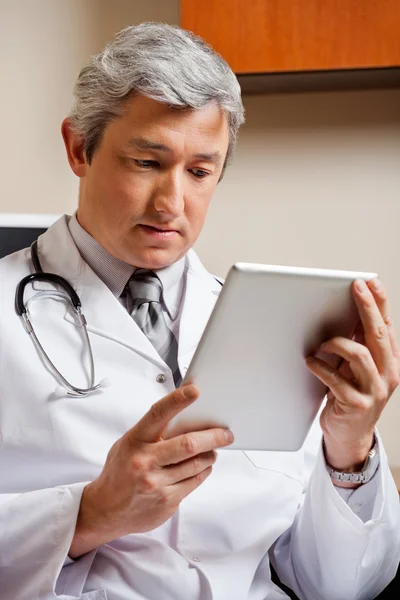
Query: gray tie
[[146, 289]]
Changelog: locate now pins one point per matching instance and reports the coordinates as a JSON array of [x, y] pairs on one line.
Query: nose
[[169, 198]]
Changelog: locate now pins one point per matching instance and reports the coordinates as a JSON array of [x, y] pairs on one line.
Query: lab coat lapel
[[201, 293], [104, 314]]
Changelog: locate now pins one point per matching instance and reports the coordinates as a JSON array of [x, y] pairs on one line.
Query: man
[[96, 501]]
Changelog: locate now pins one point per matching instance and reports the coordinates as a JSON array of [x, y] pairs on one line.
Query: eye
[[146, 164], [199, 173]]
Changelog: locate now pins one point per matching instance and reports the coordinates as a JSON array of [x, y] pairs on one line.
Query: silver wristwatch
[[368, 470]]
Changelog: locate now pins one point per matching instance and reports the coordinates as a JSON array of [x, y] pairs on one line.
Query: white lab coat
[[216, 546]]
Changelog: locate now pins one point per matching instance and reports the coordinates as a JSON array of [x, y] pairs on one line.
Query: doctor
[[95, 502]]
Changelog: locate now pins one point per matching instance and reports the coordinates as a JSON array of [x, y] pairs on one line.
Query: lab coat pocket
[[287, 463]]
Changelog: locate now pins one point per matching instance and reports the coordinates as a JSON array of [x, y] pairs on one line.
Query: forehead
[[205, 128]]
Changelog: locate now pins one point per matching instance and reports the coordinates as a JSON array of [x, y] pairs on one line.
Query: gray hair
[[160, 61]]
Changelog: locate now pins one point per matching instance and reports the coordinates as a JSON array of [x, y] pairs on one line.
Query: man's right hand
[[146, 477]]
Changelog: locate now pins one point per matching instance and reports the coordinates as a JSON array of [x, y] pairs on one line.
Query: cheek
[[196, 212], [121, 194]]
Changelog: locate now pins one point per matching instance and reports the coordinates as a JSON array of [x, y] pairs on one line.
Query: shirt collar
[[173, 278], [115, 272]]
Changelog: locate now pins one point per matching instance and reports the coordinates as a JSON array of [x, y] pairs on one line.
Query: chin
[[156, 258]]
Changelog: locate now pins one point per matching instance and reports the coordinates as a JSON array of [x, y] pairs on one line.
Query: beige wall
[[316, 178], [43, 45]]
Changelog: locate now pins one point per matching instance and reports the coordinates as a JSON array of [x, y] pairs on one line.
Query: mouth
[[161, 228], [160, 233]]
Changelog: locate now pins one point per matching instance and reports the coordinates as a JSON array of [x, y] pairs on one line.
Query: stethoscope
[[72, 297]]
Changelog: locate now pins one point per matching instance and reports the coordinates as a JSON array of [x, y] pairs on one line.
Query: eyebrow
[[145, 144]]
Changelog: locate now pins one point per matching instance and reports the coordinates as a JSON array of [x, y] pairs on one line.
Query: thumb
[[150, 427]]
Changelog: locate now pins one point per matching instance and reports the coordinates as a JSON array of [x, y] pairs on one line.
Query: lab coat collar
[[104, 314]]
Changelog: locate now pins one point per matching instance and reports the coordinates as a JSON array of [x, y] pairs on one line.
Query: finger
[[382, 302], [343, 366], [362, 367], [182, 447], [188, 468], [345, 393], [151, 426], [186, 487], [375, 330]]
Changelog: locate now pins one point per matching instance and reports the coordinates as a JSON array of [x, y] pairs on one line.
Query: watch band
[[369, 469]]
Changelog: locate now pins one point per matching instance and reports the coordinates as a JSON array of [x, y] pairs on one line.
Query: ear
[[74, 145]]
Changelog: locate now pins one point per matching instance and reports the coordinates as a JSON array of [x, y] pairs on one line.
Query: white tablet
[[249, 365]]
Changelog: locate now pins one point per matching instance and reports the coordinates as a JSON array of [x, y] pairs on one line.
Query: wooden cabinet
[[277, 36]]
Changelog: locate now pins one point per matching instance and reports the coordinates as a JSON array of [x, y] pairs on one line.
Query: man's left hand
[[364, 382]]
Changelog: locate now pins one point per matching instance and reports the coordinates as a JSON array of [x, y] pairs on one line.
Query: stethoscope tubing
[[49, 277], [73, 297]]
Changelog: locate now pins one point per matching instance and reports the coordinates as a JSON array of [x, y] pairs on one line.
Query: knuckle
[[156, 411], [164, 497], [394, 380], [361, 404], [148, 485], [369, 302], [175, 398], [114, 450], [139, 464], [362, 352], [382, 398], [196, 464], [334, 377], [381, 332], [381, 394], [190, 443], [150, 461], [381, 293], [199, 478], [388, 321], [173, 502]]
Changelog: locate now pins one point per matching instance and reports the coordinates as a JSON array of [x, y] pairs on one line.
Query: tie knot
[[144, 286]]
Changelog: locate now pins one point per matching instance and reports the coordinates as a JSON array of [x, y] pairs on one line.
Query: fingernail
[[228, 435], [190, 392], [360, 285]]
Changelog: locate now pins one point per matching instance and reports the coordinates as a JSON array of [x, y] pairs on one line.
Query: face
[[145, 195]]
